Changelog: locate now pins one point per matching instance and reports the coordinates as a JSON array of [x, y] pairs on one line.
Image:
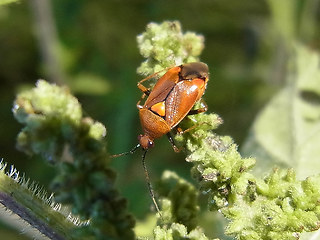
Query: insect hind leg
[[144, 89], [204, 108], [173, 144]]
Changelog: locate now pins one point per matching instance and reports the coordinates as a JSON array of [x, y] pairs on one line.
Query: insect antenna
[[145, 172], [149, 183], [126, 153]]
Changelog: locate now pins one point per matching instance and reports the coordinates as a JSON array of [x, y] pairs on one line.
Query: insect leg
[[145, 90], [174, 146], [138, 103], [204, 108]]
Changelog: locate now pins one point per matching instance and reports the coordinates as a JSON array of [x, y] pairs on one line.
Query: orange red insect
[[171, 100]]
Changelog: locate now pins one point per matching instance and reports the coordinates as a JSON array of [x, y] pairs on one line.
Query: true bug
[[170, 100], [168, 103]]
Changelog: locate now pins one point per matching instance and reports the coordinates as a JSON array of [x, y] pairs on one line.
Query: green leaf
[[284, 17], [3, 2], [87, 83], [287, 132], [29, 202]]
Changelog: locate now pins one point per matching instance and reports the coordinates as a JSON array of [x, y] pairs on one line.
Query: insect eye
[[150, 144]]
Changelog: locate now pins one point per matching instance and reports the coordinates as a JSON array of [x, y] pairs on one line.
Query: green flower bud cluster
[[218, 166], [282, 208], [276, 207], [56, 129], [178, 231], [164, 45], [179, 200], [179, 208]]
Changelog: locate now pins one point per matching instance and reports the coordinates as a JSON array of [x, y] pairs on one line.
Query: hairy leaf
[[287, 131]]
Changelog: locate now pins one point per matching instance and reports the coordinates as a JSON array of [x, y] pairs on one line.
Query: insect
[[168, 103], [170, 100]]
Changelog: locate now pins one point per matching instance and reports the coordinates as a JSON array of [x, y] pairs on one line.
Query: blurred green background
[[91, 47]]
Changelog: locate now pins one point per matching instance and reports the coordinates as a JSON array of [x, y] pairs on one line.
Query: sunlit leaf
[[3, 2], [287, 131], [86, 83]]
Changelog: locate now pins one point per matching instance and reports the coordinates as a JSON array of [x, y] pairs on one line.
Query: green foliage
[[32, 203], [56, 129], [278, 207], [90, 84], [294, 113], [179, 209], [3, 2], [178, 200], [284, 15], [51, 115], [178, 231], [222, 172]]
